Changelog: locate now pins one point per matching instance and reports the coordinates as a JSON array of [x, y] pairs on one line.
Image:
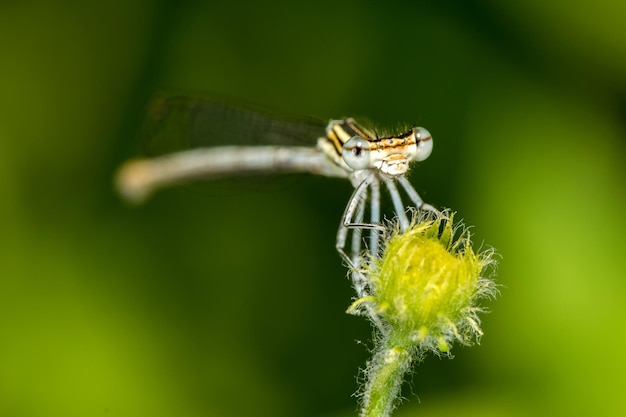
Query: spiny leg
[[374, 217], [346, 221], [357, 234], [414, 196], [353, 219], [358, 278], [397, 204]]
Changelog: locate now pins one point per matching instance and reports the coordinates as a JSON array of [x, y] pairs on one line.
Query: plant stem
[[385, 375]]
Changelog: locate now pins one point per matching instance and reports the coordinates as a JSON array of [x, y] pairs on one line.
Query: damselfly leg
[[353, 220], [367, 193]]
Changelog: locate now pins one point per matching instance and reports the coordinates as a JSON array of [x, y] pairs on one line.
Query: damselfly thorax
[[345, 149]]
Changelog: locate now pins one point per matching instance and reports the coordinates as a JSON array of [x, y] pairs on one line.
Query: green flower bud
[[426, 285]]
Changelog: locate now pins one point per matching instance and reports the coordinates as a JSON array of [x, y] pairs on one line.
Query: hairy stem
[[384, 378]]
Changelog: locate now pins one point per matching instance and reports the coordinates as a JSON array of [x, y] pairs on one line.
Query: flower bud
[[426, 285]]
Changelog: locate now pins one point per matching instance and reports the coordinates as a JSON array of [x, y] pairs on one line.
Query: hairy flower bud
[[426, 285]]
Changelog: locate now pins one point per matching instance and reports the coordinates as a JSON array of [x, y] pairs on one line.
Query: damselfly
[[344, 149]]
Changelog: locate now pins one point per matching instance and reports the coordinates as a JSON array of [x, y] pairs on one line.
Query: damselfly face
[[355, 148]]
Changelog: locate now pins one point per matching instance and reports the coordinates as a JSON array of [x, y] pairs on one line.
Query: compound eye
[[356, 153], [424, 143]]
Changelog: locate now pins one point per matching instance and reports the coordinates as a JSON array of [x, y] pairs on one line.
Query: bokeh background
[[231, 302]]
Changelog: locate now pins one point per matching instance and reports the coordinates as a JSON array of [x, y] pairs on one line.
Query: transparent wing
[[177, 122]]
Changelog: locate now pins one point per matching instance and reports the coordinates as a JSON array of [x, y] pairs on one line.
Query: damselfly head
[[391, 155]]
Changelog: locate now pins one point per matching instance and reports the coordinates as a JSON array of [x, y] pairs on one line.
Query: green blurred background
[[231, 302]]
